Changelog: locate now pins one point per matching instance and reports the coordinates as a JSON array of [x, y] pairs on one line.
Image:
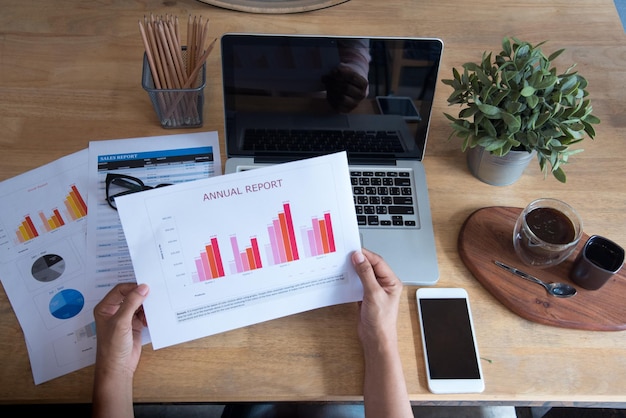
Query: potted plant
[[516, 104]]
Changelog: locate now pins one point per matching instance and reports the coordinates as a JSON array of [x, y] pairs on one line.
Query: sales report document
[[166, 159], [239, 249]]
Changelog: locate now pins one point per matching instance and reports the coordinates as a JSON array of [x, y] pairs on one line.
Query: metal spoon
[[560, 290]]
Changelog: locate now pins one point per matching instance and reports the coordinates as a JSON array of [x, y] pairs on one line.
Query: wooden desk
[[70, 73]]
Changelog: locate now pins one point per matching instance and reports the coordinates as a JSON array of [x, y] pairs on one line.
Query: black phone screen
[[401, 106], [449, 340]]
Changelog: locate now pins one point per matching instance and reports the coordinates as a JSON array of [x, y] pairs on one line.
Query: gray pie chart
[[48, 268]]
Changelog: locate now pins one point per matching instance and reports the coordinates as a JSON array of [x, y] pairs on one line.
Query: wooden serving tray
[[273, 6], [487, 235]]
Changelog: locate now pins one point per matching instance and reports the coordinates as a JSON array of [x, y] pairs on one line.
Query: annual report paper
[[243, 248]]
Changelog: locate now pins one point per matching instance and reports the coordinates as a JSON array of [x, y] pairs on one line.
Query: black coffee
[[551, 225], [603, 256]]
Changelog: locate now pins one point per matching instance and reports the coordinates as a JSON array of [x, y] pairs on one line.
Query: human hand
[[344, 88], [119, 321], [378, 312]]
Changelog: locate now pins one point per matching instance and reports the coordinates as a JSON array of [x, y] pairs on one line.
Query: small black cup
[[597, 262]]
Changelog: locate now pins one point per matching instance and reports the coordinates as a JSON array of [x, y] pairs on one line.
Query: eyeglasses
[[121, 184]]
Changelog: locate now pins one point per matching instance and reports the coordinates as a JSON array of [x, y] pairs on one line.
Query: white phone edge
[[449, 386]]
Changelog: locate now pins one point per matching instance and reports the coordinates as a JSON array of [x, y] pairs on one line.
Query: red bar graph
[[319, 238], [281, 247], [282, 237], [53, 222], [209, 264], [75, 204], [75, 208], [246, 260], [26, 231]]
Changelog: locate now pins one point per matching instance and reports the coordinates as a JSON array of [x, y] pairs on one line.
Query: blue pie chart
[[67, 304]]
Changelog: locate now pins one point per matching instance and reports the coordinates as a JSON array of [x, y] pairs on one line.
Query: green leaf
[[455, 74], [555, 54], [506, 46], [591, 119], [589, 130], [568, 84], [501, 95], [483, 77], [533, 101], [491, 130], [546, 82], [515, 107], [559, 174], [513, 123], [471, 66], [490, 111], [528, 91], [468, 112], [450, 117]]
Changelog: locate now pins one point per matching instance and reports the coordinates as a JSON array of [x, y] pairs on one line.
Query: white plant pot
[[495, 170]]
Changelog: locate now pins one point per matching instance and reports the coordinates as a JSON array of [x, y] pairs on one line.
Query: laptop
[[289, 97]]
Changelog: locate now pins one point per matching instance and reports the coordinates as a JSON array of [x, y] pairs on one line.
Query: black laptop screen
[[290, 96]]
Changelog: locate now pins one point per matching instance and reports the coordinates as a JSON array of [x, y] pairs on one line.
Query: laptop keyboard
[[384, 198], [321, 140]]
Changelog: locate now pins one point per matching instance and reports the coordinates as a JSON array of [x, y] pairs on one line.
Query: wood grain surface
[[70, 73], [487, 236]]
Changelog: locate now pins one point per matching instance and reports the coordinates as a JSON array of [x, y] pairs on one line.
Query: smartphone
[[449, 341], [398, 105]]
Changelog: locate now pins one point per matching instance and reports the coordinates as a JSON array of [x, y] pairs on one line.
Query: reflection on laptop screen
[[309, 95]]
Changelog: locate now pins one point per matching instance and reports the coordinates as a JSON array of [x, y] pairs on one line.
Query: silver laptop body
[[288, 97]]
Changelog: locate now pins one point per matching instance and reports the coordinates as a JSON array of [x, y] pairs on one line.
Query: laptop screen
[[290, 96]]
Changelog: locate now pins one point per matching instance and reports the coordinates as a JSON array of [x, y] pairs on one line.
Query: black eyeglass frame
[[133, 184]]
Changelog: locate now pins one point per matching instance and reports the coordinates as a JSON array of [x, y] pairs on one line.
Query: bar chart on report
[[280, 246], [73, 208]]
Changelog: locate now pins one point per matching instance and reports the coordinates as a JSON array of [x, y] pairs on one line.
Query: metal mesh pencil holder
[[176, 108]]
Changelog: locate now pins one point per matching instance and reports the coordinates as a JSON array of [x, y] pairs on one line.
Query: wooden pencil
[[171, 68]]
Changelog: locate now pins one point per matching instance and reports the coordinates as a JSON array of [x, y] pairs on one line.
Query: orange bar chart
[[53, 222], [75, 208], [75, 204], [26, 231]]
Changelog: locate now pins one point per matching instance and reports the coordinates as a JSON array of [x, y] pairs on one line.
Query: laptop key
[[401, 210], [403, 200], [383, 198]]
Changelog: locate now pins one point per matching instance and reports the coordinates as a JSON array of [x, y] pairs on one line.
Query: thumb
[[365, 271], [133, 301]]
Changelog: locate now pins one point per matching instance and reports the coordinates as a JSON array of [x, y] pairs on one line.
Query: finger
[[116, 297], [365, 271], [133, 301], [382, 272], [113, 299]]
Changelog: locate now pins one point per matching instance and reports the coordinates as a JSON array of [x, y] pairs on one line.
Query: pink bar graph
[[279, 248], [282, 238], [247, 259], [209, 263], [319, 238]]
